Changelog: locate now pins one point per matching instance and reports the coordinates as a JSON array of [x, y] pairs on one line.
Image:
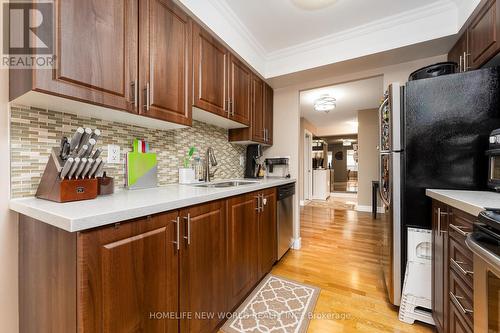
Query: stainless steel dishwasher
[[285, 218]]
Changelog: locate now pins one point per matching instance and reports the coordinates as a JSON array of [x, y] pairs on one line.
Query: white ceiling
[[276, 37], [351, 97], [279, 24]]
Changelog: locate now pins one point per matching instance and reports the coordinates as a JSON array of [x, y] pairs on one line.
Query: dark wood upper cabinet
[[459, 53], [267, 232], [210, 61], [258, 117], [484, 32], [96, 55], [165, 62], [126, 273], [239, 91], [480, 39], [439, 265], [203, 261], [269, 113], [243, 261], [261, 125]]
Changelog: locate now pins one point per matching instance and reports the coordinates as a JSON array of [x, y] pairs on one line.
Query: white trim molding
[[297, 243], [368, 209], [440, 19]]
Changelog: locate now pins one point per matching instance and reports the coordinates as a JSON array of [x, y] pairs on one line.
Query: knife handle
[[75, 140], [94, 167], [91, 145], [87, 167], [81, 166], [67, 167], [74, 167], [96, 134], [85, 137], [100, 169], [82, 151], [97, 153]]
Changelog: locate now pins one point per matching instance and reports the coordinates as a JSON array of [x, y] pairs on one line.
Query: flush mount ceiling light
[[325, 103], [313, 4]]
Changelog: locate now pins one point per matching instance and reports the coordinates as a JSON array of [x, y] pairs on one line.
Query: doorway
[[308, 182]]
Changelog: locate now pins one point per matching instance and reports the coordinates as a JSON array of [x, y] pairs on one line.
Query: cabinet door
[[210, 59], [267, 233], [239, 91], [242, 246], [439, 265], [165, 61], [203, 266], [459, 51], [128, 273], [269, 113], [484, 32], [258, 119], [96, 53]]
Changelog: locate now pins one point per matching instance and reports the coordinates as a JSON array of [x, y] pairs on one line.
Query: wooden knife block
[[53, 188]]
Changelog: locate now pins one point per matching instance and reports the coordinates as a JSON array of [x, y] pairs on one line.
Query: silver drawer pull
[[458, 264], [459, 230], [177, 233], [456, 300], [188, 237]]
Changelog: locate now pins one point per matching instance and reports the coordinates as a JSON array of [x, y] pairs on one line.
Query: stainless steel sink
[[232, 183]]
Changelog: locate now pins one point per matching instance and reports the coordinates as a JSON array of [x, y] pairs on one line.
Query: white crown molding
[[416, 26], [378, 25], [239, 26], [440, 19]]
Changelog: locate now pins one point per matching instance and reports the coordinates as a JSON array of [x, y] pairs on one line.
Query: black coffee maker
[[252, 168]]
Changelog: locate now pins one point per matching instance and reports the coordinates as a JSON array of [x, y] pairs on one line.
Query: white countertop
[[128, 204], [472, 202]]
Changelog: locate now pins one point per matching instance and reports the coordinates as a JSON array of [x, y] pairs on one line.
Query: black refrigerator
[[442, 131]]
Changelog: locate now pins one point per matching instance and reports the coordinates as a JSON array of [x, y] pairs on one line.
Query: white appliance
[[390, 148], [321, 184]]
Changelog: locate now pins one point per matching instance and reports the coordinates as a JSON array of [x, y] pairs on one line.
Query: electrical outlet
[[113, 154]]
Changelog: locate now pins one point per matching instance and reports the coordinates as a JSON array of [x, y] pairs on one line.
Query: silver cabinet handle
[[231, 107], [226, 108], [148, 102], [460, 67], [440, 213], [188, 220], [177, 233], [135, 91], [456, 300], [459, 230], [258, 203], [466, 63], [458, 264]]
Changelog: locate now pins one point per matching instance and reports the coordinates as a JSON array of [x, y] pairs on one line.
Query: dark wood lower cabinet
[[127, 273], [170, 272], [203, 266], [242, 225], [452, 287], [267, 233], [439, 265]]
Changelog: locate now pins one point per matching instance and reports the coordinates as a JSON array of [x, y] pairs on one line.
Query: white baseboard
[[368, 209], [304, 202], [297, 243], [344, 195]]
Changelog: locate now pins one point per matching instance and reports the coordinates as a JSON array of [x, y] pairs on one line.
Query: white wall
[[8, 220], [287, 113], [368, 164], [286, 140]]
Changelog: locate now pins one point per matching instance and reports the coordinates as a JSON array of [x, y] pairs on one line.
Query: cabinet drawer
[[461, 261], [460, 225], [460, 297], [457, 323]]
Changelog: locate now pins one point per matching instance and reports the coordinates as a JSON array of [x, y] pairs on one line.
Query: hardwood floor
[[340, 255]]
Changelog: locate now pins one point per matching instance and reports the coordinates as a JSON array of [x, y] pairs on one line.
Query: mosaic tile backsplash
[[33, 133]]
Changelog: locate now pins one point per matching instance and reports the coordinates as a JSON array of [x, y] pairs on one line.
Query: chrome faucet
[[210, 161]]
